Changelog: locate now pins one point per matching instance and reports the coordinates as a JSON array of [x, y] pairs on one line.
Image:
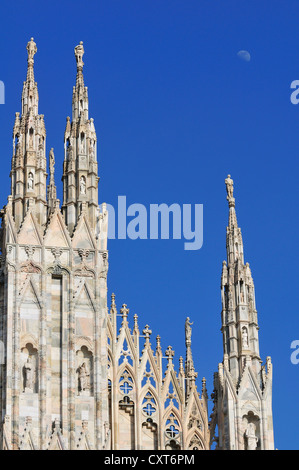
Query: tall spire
[[51, 190], [189, 364], [234, 236], [243, 387], [32, 50], [80, 172], [29, 174], [239, 316]]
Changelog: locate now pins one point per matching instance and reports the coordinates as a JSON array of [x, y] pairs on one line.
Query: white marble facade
[[73, 377]]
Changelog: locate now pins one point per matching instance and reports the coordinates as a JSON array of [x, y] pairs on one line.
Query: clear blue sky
[[175, 111]]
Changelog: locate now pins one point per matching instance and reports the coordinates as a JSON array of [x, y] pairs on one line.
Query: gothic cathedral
[[72, 377]]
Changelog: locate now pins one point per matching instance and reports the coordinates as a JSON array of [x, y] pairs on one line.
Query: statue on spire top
[[32, 50], [229, 187], [79, 52], [188, 330]]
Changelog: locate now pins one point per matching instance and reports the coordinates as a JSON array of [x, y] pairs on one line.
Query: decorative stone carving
[[28, 376], [29, 251], [188, 330], [84, 374], [229, 187], [51, 161], [252, 440], [82, 185], [244, 338], [30, 183]]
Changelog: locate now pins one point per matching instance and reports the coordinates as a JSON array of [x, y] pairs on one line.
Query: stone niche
[[29, 369], [251, 427], [84, 370]]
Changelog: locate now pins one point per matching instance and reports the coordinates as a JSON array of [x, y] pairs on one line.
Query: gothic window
[[125, 355], [149, 405], [148, 376], [172, 432], [126, 384], [126, 388], [171, 398]]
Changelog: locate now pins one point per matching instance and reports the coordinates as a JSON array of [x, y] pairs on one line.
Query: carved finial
[[158, 343], [192, 375], [181, 368], [113, 304], [169, 353], [147, 332], [124, 311], [79, 52], [204, 386], [135, 322]]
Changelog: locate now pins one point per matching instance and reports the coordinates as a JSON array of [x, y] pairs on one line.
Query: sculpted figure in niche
[[244, 338], [30, 181], [83, 377], [82, 185], [29, 374], [91, 149], [252, 440]]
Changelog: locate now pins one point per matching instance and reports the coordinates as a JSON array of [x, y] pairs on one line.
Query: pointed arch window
[[149, 406], [126, 383]]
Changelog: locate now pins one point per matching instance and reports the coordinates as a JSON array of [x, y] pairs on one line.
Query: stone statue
[[244, 338], [51, 161], [30, 181], [29, 374], [229, 187], [82, 185], [83, 377], [188, 330], [252, 440], [32, 50], [91, 149]]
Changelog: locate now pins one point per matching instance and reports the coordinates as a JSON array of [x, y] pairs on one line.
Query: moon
[[244, 55]]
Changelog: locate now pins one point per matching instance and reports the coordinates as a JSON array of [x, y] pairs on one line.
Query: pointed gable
[[56, 232], [82, 237], [29, 233]]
